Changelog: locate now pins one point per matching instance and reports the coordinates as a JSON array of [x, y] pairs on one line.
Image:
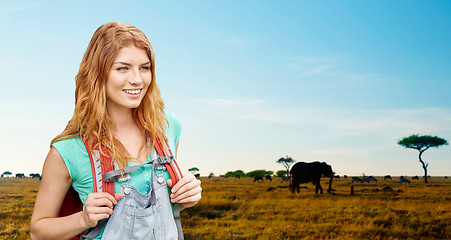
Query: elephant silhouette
[[303, 172]]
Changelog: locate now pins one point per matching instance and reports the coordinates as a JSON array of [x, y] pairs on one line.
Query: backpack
[[105, 183]]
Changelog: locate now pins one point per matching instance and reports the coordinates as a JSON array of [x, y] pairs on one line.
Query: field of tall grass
[[243, 209]]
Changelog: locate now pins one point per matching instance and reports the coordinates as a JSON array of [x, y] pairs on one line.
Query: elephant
[[303, 172]]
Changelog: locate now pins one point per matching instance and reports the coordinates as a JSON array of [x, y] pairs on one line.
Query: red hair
[[91, 117]]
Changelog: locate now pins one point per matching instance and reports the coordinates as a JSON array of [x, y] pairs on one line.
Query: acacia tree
[[194, 170], [422, 143], [286, 162]]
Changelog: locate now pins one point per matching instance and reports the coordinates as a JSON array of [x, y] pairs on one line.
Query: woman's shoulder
[[68, 142], [173, 129], [172, 118], [75, 156], [70, 146]]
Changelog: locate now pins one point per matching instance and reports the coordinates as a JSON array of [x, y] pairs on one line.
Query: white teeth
[[132, 91]]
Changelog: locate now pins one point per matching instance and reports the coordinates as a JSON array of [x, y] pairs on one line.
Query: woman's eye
[[122, 69], [145, 68]]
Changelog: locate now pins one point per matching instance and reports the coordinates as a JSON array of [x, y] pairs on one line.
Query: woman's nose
[[136, 78]]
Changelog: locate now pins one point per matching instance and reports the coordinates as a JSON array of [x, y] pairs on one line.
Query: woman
[[119, 110]]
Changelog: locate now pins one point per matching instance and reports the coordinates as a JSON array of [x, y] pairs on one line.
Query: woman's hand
[[187, 191], [98, 206]]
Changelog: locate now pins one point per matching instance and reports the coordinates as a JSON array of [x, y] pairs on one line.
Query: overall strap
[[175, 174]]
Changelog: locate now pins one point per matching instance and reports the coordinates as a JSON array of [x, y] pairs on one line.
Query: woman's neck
[[128, 132], [123, 119]]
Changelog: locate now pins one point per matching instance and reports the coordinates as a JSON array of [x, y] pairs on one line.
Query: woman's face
[[128, 79]]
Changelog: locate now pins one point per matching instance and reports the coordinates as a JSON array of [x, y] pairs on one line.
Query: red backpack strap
[[100, 167], [172, 167], [107, 166]]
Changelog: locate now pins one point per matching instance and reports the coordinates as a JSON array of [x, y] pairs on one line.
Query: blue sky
[[251, 81]]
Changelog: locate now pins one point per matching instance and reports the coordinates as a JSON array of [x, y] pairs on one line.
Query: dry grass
[[17, 198], [242, 209]]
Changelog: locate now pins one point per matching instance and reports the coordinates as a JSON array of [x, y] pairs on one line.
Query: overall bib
[[144, 216]]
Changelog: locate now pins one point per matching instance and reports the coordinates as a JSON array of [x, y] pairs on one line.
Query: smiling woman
[[128, 79], [119, 126]]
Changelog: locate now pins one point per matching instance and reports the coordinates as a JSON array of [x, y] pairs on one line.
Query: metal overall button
[[126, 191], [160, 179]]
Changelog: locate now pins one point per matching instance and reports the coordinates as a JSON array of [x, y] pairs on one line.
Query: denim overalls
[[144, 216]]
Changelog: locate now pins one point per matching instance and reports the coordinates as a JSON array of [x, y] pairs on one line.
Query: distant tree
[[211, 175], [286, 162], [260, 173], [422, 143], [194, 170], [237, 173], [281, 173], [6, 173]]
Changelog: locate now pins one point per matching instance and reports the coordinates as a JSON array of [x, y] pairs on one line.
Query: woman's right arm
[[45, 223]]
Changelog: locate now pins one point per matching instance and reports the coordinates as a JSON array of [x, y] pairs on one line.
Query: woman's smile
[[133, 92]]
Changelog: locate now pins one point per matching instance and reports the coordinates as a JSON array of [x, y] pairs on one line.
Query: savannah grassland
[[241, 209]]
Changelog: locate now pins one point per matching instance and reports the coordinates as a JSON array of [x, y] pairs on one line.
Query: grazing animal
[[337, 176], [404, 180], [20, 175], [258, 178], [268, 178], [303, 172], [356, 179], [369, 179], [237, 176], [415, 178], [35, 175], [285, 179], [387, 177], [345, 176]]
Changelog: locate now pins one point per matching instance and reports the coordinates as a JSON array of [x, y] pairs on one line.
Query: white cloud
[[7, 10], [333, 67], [316, 70], [339, 121]]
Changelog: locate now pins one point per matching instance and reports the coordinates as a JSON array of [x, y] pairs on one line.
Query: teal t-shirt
[[77, 161]]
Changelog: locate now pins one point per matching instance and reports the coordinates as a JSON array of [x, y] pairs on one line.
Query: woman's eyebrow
[[123, 63], [128, 64]]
